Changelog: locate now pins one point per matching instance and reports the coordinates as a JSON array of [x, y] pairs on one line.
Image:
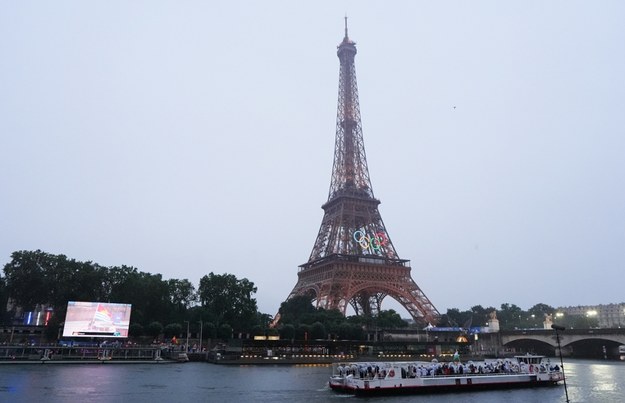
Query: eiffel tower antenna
[[353, 261]]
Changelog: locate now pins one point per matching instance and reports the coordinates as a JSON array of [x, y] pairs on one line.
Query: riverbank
[[88, 355]]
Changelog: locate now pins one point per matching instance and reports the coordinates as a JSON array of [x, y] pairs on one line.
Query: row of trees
[[299, 319], [221, 305], [221, 302], [512, 317]]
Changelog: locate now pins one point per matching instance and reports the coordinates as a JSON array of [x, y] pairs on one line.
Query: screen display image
[[96, 319]]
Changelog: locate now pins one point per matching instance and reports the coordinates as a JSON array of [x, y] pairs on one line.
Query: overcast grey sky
[[184, 137]]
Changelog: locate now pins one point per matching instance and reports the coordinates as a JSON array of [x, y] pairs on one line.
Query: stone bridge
[[567, 337], [572, 341]]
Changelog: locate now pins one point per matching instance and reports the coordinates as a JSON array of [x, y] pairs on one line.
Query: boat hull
[[448, 386]]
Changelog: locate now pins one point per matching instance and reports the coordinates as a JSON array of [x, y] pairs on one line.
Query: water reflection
[[595, 381]]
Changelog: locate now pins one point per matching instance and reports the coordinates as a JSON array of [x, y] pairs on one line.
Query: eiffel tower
[[353, 260]]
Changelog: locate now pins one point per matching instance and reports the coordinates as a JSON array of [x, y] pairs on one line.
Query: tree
[[263, 320], [172, 329], [148, 294], [135, 330], [4, 297], [181, 294], [453, 317], [26, 279], [39, 278], [303, 332], [536, 314], [479, 315], [209, 330], [287, 332], [257, 330], [224, 332], [294, 309], [154, 329], [72, 280], [229, 300], [349, 331], [317, 331], [390, 319], [510, 317]]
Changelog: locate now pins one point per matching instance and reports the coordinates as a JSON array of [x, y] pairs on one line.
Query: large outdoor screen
[[96, 319]]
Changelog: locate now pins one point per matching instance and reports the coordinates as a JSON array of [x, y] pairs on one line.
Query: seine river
[[587, 381]]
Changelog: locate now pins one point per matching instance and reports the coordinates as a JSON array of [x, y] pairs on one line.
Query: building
[[610, 316]]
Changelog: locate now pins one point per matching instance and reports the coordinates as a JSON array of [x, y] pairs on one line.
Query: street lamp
[[186, 346], [561, 328], [201, 326]]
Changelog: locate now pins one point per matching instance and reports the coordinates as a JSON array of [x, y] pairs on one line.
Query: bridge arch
[[574, 342], [529, 345]]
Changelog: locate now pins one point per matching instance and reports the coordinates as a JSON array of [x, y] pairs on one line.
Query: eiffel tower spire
[[353, 260], [350, 174]]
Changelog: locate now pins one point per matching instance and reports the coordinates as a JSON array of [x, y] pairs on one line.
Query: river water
[[587, 381]]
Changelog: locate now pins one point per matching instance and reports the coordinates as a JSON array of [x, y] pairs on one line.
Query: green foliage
[[300, 319], [4, 297], [39, 278], [154, 329], [257, 330], [181, 293], [263, 320], [390, 320], [349, 331], [510, 316], [302, 315], [209, 330], [135, 330], [173, 329], [536, 315], [36, 278], [579, 322], [293, 310], [287, 332], [229, 300], [317, 331], [302, 332], [224, 332], [226, 303], [475, 317]]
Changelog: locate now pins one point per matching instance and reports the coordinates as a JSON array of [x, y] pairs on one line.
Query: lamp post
[[561, 328], [201, 325], [186, 346]]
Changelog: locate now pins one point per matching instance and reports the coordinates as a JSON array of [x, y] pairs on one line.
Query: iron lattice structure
[[353, 260]]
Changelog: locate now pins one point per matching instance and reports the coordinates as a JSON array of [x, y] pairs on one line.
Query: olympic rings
[[374, 242]]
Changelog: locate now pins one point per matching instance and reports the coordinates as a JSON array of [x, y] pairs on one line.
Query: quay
[[394, 345], [50, 354], [410, 345]]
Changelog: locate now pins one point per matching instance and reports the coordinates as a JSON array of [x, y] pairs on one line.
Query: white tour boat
[[373, 378]]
